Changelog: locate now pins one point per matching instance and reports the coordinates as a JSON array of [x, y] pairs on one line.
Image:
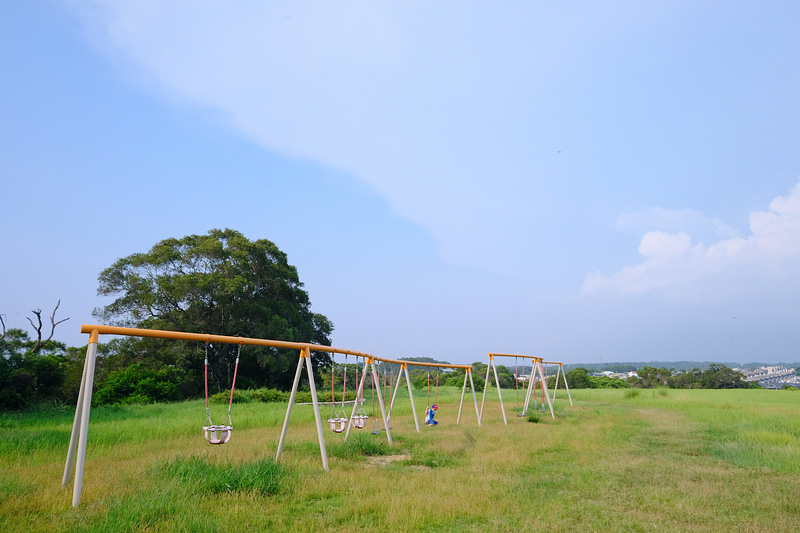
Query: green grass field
[[659, 460]]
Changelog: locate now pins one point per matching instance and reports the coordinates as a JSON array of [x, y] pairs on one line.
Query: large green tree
[[220, 283]]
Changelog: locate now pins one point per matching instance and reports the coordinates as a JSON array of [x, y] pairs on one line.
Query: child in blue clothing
[[429, 416]]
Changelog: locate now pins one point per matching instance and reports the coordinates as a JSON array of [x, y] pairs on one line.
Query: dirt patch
[[384, 460]]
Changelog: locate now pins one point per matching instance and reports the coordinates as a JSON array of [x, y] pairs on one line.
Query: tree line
[[220, 283], [224, 284], [716, 376]]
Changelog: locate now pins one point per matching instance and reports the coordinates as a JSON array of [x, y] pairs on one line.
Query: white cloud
[[670, 258], [675, 220], [433, 104]]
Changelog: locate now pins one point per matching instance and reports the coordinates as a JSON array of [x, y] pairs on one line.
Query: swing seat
[[217, 434], [359, 421], [337, 424]]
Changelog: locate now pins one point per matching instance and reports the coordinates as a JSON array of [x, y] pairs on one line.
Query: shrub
[[455, 381], [605, 382], [139, 384], [632, 393], [239, 396], [302, 397], [269, 396]]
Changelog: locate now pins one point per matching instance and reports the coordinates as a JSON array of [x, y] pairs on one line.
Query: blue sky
[[585, 181]]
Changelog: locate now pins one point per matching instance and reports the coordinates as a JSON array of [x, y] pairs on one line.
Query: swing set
[[537, 366], [559, 373], [218, 434], [371, 367]]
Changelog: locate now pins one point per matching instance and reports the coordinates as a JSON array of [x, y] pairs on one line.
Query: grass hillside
[[618, 460]]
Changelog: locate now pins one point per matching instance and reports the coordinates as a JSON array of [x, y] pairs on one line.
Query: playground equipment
[[76, 455], [537, 367], [359, 419], [404, 364], [516, 384], [338, 420], [370, 366], [563, 376], [219, 434]]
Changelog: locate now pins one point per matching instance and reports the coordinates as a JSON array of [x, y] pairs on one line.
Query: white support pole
[[499, 394], [91, 355], [411, 397], [317, 415], [380, 402], [461, 404], [474, 396], [545, 393], [485, 386], [297, 374], [564, 375], [359, 392], [555, 389], [394, 394], [531, 381], [76, 424]]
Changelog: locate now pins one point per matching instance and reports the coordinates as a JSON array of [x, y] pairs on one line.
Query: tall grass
[[680, 461], [205, 476]]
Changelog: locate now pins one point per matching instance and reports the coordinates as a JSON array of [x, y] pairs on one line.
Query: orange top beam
[[515, 355], [204, 337], [420, 363]]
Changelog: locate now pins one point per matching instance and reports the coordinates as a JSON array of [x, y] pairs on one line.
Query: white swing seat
[[359, 421], [218, 434], [337, 424]]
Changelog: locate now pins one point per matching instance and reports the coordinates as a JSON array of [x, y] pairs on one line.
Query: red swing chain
[[205, 376], [233, 385], [372, 381], [333, 389], [344, 382], [429, 387]]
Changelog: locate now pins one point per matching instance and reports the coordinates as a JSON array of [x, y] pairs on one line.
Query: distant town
[[769, 377]]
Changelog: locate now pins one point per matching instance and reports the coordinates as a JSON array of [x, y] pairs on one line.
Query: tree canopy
[[31, 371], [220, 283]]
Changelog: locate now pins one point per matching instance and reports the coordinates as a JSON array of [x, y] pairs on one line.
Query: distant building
[[771, 377]]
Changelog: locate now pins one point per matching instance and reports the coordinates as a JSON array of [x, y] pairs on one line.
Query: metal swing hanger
[[220, 434], [338, 420]]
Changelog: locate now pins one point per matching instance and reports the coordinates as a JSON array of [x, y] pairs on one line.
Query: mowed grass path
[[662, 460]]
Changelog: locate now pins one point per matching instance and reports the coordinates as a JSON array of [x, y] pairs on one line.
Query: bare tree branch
[[3, 336], [38, 313], [53, 321]]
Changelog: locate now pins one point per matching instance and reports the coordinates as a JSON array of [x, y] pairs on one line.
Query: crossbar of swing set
[[208, 338], [80, 426]]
